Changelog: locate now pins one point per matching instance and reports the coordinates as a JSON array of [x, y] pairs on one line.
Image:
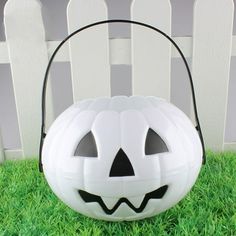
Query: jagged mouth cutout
[[156, 194]]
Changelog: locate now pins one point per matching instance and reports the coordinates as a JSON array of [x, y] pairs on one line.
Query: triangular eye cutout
[[154, 143], [87, 146]]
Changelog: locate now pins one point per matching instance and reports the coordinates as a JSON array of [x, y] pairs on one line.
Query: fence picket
[[1, 149], [89, 52], [212, 40], [28, 59], [151, 53]]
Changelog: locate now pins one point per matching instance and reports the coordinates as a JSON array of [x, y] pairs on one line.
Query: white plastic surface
[[122, 122]]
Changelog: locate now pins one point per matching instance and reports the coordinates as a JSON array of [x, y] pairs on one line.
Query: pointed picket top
[[212, 41], [151, 53], [28, 55], [89, 51]]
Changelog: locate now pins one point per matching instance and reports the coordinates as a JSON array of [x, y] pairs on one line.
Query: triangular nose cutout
[[121, 166]]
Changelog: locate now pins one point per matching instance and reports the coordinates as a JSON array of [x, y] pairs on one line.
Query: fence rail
[[118, 46], [211, 48]]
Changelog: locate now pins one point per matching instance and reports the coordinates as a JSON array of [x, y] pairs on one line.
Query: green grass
[[28, 206]]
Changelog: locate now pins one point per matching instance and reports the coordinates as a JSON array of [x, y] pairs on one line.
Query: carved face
[[122, 158]]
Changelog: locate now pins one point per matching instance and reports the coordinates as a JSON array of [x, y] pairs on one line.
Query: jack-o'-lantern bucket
[[121, 158]]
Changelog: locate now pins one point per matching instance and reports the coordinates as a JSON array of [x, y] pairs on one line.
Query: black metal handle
[[43, 134]]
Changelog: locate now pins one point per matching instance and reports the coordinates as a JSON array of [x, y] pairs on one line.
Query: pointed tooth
[[110, 202], [136, 201]]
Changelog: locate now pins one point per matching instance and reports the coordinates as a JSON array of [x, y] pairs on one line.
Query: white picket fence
[[92, 54]]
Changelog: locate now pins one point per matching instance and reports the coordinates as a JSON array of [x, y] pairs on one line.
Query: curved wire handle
[[43, 134]]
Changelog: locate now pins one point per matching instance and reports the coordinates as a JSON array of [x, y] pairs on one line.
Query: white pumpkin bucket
[[121, 158]]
